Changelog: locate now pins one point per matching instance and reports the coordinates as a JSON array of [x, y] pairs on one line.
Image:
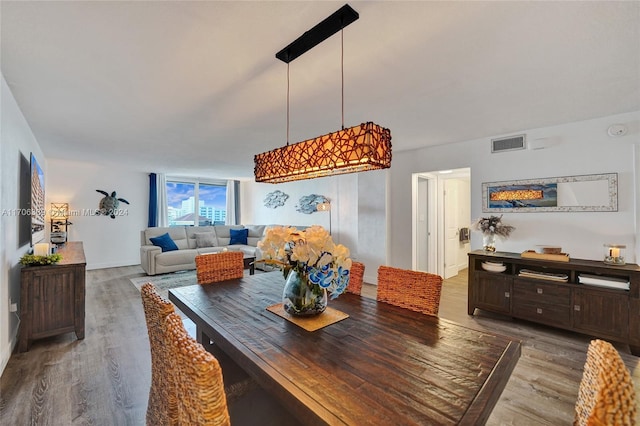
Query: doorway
[[441, 208]]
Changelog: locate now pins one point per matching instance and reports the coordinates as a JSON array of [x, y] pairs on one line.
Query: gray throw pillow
[[206, 239]]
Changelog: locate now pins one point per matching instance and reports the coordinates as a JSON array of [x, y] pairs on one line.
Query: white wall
[[358, 202], [338, 189], [16, 140], [107, 242], [582, 148]]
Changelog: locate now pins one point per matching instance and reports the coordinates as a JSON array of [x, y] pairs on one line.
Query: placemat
[[313, 323]]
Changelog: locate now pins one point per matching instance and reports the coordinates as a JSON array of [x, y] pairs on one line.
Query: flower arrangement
[[310, 252], [32, 259], [492, 225]]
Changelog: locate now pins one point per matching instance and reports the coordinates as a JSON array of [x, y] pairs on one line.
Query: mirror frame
[[612, 183]]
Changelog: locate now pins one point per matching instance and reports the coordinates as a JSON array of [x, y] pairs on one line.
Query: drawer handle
[[576, 307], [506, 294], [539, 310], [539, 290]]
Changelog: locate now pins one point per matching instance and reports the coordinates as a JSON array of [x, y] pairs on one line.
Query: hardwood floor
[[104, 379]]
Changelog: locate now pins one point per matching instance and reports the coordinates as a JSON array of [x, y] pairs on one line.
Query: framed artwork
[[37, 209], [585, 193]]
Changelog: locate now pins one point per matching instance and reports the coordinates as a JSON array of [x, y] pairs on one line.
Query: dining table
[[381, 364]]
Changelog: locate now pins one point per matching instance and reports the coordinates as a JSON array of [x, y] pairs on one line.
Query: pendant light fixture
[[356, 149]]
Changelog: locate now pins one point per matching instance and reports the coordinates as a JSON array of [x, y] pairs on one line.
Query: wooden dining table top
[[381, 365]]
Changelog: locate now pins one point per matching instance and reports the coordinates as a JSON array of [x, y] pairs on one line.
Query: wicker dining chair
[[414, 290], [355, 278], [162, 408], [606, 395], [215, 267], [200, 389]]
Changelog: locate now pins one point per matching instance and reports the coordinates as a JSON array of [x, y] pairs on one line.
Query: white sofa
[[154, 261]]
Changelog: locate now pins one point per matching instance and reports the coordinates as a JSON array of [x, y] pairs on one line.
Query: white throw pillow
[[206, 239]]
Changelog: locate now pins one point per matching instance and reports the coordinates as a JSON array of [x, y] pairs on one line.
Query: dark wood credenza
[[52, 297], [607, 313]]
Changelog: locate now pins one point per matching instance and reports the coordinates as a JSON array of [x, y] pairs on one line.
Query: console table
[[52, 297], [607, 313]]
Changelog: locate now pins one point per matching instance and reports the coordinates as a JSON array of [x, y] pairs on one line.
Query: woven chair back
[[216, 267], [606, 395], [355, 278], [200, 387], [162, 408], [414, 290]]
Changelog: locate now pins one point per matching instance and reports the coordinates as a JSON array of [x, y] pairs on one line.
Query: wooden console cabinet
[[52, 297], [607, 313]]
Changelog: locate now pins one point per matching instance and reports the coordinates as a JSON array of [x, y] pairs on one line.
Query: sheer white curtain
[[163, 212], [232, 203]]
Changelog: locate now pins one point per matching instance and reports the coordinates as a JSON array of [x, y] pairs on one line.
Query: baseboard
[[8, 350], [370, 279]]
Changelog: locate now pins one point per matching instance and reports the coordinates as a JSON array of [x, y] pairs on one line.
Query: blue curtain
[[153, 200]]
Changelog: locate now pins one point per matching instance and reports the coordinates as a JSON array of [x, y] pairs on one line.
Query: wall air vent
[[510, 143]]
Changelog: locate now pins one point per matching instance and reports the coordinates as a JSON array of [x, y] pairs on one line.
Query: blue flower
[[321, 276]]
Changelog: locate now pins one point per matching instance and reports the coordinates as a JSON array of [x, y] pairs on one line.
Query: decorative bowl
[[493, 267], [544, 249]]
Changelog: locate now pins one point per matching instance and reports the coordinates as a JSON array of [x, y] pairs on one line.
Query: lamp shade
[[59, 211], [323, 207], [356, 149]]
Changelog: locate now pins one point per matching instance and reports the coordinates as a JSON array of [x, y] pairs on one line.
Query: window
[[184, 195]]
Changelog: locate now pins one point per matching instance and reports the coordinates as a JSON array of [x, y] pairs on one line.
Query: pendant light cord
[[287, 103], [342, 70]]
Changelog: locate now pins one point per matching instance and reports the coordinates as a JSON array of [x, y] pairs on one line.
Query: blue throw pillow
[[164, 242], [239, 236]]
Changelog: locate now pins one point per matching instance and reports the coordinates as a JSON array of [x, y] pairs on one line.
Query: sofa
[[194, 240]]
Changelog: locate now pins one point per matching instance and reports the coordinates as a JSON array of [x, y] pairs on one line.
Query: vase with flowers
[[491, 227], [312, 265]]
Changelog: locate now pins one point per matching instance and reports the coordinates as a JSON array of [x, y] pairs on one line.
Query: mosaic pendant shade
[[356, 149]]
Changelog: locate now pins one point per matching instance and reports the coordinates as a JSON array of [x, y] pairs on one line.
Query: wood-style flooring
[[104, 379]]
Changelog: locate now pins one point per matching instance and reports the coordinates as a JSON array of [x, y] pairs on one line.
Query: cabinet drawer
[[537, 292], [545, 313]]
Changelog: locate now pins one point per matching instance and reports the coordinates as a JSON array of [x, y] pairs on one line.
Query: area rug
[[165, 282]]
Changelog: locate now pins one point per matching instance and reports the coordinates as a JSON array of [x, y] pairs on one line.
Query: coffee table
[[249, 263]]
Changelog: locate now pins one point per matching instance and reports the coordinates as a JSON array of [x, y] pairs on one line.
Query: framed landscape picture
[[37, 210], [587, 193]]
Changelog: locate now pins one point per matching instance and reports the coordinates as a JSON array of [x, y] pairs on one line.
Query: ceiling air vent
[[510, 143]]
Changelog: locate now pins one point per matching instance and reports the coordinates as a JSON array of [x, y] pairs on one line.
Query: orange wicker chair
[[355, 278], [215, 267], [606, 395], [417, 291], [200, 389], [162, 408]]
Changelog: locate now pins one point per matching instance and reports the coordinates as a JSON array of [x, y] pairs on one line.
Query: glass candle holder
[[614, 254]]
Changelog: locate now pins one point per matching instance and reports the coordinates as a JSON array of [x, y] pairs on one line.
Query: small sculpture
[[308, 203], [109, 204], [275, 199]]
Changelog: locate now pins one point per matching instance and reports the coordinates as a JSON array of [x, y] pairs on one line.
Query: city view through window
[[182, 198]]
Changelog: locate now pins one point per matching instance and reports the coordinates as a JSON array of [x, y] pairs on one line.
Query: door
[[422, 226], [451, 239]]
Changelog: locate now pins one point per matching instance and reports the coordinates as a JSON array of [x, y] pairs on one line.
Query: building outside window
[[183, 195]]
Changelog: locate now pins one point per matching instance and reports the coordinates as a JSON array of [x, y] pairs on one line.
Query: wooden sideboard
[[607, 313], [52, 297]]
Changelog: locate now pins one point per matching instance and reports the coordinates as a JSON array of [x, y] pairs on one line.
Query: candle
[[615, 252], [41, 249]]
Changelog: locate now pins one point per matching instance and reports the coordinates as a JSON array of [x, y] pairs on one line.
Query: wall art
[[37, 210], [275, 199], [309, 203], [584, 193], [110, 205]]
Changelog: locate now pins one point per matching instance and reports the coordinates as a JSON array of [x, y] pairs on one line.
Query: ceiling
[[194, 88]]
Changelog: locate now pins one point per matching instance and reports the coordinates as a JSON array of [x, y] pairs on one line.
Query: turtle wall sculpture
[[109, 204]]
